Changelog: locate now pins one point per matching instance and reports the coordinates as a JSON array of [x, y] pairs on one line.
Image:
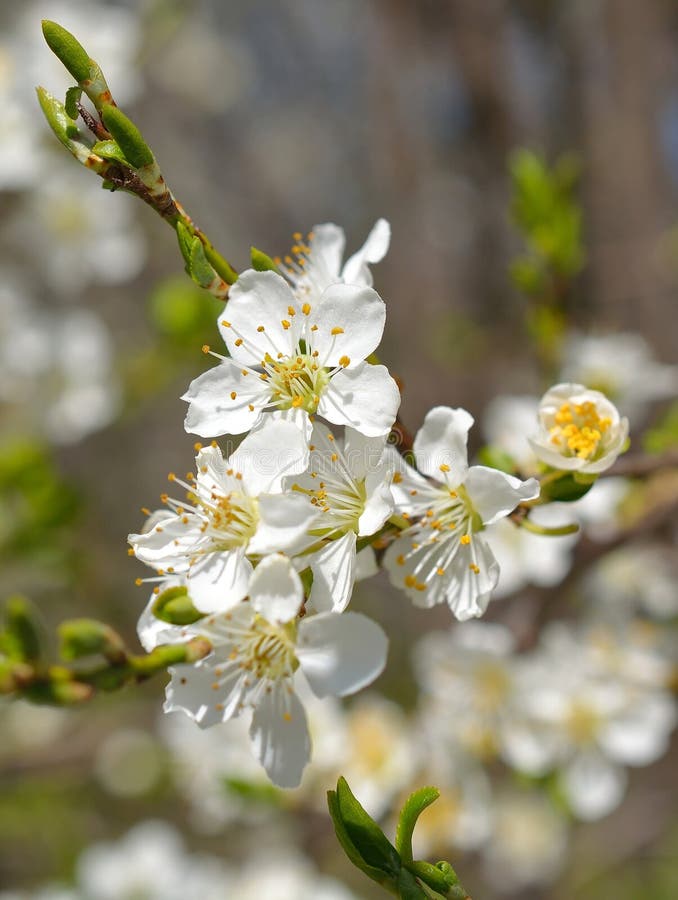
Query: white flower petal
[[379, 501], [270, 452], [356, 269], [284, 521], [593, 786], [192, 691], [219, 580], [363, 454], [364, 397], [212, 411], [366, 565], [358, 314], [259, 300], [495, 494], [169, 537], [275, 589], [279, 735], [333, 570], [327, 250], [340, 654], [441, 442]]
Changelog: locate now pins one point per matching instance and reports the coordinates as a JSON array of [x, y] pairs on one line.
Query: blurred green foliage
[[664, 435], [36, 503], [545, 209]]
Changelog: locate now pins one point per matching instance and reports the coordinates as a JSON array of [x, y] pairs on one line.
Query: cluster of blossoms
[[269, 540]]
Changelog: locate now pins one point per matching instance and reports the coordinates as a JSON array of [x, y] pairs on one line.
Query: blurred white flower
[[128, 763], [150, 861], [528, 844], [85, 234], [283, 875], [467, 678], [622, 367], [56, 368], [644, 581], [579, 430], [586, 722], [507, 422]]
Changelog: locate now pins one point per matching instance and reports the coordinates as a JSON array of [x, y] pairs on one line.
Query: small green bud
[[58, 693], [174, 606], [71, 53], [128, 136], [86, 637], [261, 261], [415, 804], [21, 638], [568, 488]]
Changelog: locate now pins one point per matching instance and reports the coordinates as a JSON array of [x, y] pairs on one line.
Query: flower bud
[[580, 431]]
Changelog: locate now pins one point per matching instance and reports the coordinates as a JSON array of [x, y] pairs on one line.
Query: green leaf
[[110, 150], [413, 807], [408, 887], [184, 237], [261, 261], [73, 95], [199, 269], [71, 53], [174, 606], [128, 137], [367, 837], [376, 874], [63, 126]]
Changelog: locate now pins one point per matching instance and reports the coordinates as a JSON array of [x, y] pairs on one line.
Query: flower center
[[267, 650], [296, 381], [231, 519], [582, 723], [578, 429]]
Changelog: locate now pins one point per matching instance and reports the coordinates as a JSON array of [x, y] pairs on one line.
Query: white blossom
[[579, 430], [297, 359], [258, 647], [589, 724], [233, 512], [316, 263], [442, 558], [348, 483]]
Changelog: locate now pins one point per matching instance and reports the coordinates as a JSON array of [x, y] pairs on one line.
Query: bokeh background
[[268, 117]]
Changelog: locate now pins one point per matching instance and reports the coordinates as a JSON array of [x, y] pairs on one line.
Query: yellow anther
[[233, 395], [197, 446], [171, 476], [138, 581], [291, 311], [337, 330], [444, 467], [397, 478], [345, 361], [306, 308], [225, 323], [260, 328], [297, 402], [465, 539], [238, 342], [285, 324], [440, 570], [410, 581], [205, 348], [474, 568]]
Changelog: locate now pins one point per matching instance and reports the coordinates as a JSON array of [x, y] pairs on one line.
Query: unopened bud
[[87, 637]]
